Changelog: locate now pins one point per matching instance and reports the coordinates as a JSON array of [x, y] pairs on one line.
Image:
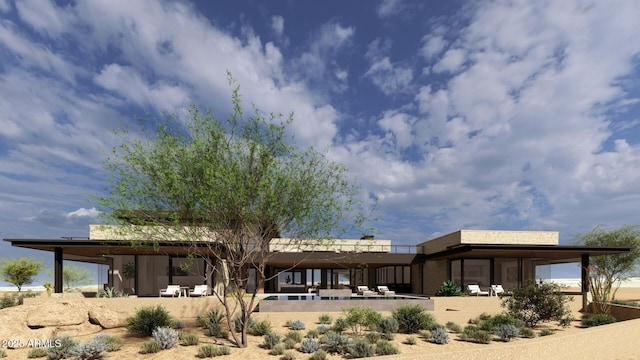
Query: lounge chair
[[199, 290], [171, 290], [475, 290], [384, 290], [364, 291], [497, 290]]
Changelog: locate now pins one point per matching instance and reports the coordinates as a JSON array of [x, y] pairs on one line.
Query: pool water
[[316, 297]]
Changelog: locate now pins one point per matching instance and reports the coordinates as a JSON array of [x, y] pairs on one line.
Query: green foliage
[[605, 272], [3, 353], [146, 319], [190, 339], [449, 288], [62, 347], [535, 303], [237, 323], [294, 335], [111, 343], [270, 340], [492, 323], [212, 350], [412, 318], [309, 345], [260, 328], [384, 347], [178, 324], [439, 335], [325, 319], [297, 325], [110, 292], [9, 300], [626, 303], [75, 275], [361, 318], [372, 337], [411, 340], [323, 328], [506, 332], [527, 333], [165, 336], [335, 343], [289, 343], [319, 355], [388, 327], [37, 352], [340, 325], [360, 348], [289, 355], [93, 350], [453, 327], [546, 332], [212, 322], [473, 333], [277, 349], [597, 320], [313, 333], [20, 272]]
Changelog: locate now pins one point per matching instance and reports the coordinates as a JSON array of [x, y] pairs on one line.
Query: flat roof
[[554, 252]]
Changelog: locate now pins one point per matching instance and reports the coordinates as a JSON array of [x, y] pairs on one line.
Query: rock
[[106, 318], [57, 313]]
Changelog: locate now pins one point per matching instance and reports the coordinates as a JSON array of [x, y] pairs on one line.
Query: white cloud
[[388, 8], [5, 6], [44, 17], [452, 60], [389, 78], [433, 45]]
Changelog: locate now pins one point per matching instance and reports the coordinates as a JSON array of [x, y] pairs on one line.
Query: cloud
[[277, 25], [389, 78], [389, 8], [452, 60], [43, 17], [433, 45]]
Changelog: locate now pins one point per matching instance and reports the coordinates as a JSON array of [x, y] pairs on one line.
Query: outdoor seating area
[[384, 290], [184, 291], [475, 290]]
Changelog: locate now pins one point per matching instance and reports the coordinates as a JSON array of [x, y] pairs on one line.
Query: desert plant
[[277, 349], [325, 319], [150, 347], [535, 303], [319, 355], [492, 323], [372, 337], [412, 318], [289, 343], [297, 325], [453, 327], [439, 335], [294, 335], [146, 319], [411, 340], [358, 318], [309, 345], [237, 323], [212, 350], [597, 320], [335, 343], [506, 332], [270, 340], [528, 333], [165, 336], [289, 355], [36, 353], [340, 325], [111, 343], [449, 288], [109, 292], [388, 327], [178, 324], [473, 333], [260, 328], [323, 328], [92, 350], [384, 347], [63, 345], [360, 348], [313, 333], [3, 353], [546, 332], [190, 339]]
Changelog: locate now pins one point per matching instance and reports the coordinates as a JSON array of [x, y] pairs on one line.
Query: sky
[[513, 115]]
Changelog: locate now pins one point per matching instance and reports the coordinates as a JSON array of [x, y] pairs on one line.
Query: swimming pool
[[315, 303], [316, 297]]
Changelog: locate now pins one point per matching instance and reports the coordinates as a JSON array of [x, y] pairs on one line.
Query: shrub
[[324, 328], [335, 343], [358, 318], [313, 333], [319, 355], [535, 303], [260, 328], [146, 319], [178, 324], [213, 316], [288, 323], [237, 323], [325, 319], [473, 333], [165, 336], [294, 335], [453, 327], [384, 347], [565, 322], [212, 350], [507, 332], [492, 323], [361, 349], [289, 344], [34, 353], [62, 348], [93, 350], [597, 320], [340, 325], [309, 345], [150, 347], [449, 288], [388, 327], [277, 349], [546, 332], [111, 343], [412, 318], [411, 340], [190, 339], [440, 336], [289, 355], [372, 337], [527, 333], [3, 353], [297, 325], [270, 340]]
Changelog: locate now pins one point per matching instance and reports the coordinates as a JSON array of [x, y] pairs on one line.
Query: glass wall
[[506, 272]]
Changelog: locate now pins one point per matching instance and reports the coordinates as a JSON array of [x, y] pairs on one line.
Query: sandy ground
[[614, 341]]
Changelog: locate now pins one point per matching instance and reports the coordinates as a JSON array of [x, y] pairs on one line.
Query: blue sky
[[481, 115]]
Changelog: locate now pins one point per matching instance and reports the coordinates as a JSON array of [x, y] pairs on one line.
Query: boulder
[[107, 319], [57, 313]]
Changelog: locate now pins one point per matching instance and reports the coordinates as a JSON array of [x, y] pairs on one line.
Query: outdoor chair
[[384, 290], [364, 291], [199, 290], [497, 290], [475, 290], [171, 290]]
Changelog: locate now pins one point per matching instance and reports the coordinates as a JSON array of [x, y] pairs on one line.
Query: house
[[482, 257]]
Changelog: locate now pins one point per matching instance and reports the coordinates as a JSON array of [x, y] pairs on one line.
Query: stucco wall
[[435, 273], [489, 237]]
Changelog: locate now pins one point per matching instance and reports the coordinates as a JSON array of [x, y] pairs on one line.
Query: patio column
[[57, 270], [584, 283]]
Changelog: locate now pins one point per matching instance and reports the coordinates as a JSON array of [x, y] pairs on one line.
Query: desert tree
[[225, 189], [606, 272], [20, 272]]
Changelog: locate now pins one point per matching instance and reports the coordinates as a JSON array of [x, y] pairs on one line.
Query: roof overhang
[[556, 253]]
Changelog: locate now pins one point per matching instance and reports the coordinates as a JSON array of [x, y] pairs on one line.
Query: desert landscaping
[[40, 318]]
